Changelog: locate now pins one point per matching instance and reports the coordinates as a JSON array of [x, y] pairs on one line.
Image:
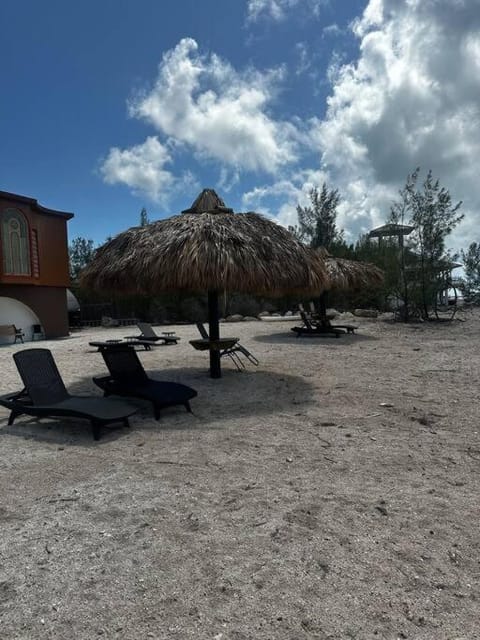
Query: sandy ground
[[331, 492]]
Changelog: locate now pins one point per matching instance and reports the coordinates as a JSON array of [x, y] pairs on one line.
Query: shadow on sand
[[290, 338], [235, 395]]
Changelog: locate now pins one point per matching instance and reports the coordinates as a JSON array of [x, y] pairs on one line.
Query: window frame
[[24, 248]]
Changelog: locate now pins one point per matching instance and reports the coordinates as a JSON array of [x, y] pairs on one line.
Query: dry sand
[[332, 492]]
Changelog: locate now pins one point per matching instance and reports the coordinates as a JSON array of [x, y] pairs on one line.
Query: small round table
[[204, 344]]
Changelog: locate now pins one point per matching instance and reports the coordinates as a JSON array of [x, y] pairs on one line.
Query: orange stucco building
[[34, 270]]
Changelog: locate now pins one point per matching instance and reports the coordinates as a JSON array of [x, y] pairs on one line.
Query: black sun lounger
[[128, 378], [45, 395], [316, 329], [148, 334]]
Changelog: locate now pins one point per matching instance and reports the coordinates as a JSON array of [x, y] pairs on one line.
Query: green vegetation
[[80, 252], [317, 223], [416, 268], [471, 262]]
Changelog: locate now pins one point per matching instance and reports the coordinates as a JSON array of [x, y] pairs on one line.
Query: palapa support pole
[[322, 308], [214, 333]]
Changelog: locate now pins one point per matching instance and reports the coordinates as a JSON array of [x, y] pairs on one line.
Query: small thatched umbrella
[[350, 274], [207, 248], [346, 275]]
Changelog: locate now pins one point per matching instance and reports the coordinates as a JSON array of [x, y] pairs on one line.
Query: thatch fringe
[[350, 274]]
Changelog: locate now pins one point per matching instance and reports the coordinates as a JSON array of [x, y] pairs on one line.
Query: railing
[[116, 322]]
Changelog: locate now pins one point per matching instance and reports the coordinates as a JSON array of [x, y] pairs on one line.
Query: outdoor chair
[[128, 378], [234, 351], [148, 334], [318, 318], [312, 328], [45, 395], [121, 344], [19, 335], [13, 331]]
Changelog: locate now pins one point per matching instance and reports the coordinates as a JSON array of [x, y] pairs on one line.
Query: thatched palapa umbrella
[[207, 248], [350, 274], [346, 275]]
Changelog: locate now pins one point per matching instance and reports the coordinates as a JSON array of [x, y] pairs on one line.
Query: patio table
[[103, 345]]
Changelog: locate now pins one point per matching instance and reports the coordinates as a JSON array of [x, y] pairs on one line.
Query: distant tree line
[[416, 271]]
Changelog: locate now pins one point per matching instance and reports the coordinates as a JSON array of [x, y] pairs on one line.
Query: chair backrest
[[40, 376], [124, 365], [146, 330], [305, 319], [301, 307], [203, 331], [312, 307]]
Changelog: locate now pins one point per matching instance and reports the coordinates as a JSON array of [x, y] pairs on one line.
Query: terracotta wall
[[51, 230], [49, 303]]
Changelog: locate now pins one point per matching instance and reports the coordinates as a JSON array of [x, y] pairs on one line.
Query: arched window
[[15, 243]]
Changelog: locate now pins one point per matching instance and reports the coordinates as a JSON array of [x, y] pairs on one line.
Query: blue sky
[[108, 106]]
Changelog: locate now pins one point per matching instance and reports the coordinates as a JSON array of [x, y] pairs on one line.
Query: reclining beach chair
[[312, 328], [45, 395], [318, 318], [232, 352], [148, 334], [128, 378]]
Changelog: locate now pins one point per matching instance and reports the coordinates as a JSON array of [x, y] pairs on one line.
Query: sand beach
[[332, 492]]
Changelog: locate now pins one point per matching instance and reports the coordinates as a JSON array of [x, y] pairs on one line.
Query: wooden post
[[214, 333], [322, 307]]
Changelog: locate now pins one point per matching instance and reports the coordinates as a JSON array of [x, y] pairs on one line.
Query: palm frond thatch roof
[[208, 201], [350, 274], [211, 251]]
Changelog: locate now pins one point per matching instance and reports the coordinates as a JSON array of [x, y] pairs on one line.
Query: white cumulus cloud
[[411, 99], [222, 114], [141, 167], [278, 9]]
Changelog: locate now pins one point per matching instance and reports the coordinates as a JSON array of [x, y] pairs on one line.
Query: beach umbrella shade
[[344, 274], [208, 248]]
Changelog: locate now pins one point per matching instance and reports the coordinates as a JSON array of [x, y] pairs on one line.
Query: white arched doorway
[[15, 312]]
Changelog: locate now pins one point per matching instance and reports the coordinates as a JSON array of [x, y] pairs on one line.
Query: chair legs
[[13, 415], [247, 354], [233, 355], [96, 428], [156, 409]]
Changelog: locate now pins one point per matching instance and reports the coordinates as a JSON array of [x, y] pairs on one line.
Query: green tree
[[429, 209], [384, 255], [471, 264], [317, 223], [80, 251]]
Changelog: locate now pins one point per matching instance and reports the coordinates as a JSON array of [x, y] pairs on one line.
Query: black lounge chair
[[322, 317], [121, 344], [45, 395], [312, 328], [148, 334], [128, 378], [232, 351]]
